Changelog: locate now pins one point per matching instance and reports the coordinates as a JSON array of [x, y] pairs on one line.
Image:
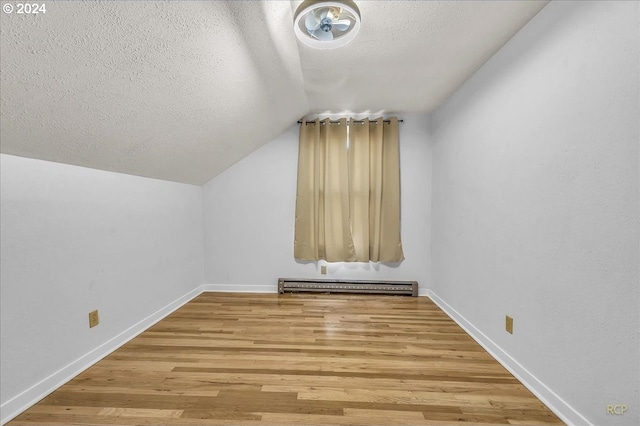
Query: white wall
[[75, 240], [250, 209], [535, 204]]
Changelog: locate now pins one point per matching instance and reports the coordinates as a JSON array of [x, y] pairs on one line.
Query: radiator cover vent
[[296, 285]]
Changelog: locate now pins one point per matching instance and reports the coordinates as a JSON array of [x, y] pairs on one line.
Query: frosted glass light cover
[[326, 24]]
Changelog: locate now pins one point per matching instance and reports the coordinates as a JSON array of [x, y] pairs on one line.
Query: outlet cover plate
[[509, 324], [94, 319]]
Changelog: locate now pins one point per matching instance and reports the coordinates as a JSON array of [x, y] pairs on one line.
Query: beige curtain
[[322, 229], [375, 190], [348, 200]]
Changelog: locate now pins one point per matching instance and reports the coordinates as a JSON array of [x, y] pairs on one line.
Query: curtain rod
[[355, 121]]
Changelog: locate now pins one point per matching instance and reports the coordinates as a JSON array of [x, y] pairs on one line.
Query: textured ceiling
[[182, 90]]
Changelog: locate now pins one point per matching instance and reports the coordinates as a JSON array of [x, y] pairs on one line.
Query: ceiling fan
[[326, 24]]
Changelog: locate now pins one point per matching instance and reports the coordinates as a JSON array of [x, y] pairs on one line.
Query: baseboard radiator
[[298, 285]]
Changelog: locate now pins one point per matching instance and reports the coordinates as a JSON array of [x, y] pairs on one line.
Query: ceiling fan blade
[[323, 35], [311, 21], [342, 25]]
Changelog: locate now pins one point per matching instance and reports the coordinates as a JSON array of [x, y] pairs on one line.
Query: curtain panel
[[348, 197]]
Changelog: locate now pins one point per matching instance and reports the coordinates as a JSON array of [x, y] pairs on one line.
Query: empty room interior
[[320, 212]]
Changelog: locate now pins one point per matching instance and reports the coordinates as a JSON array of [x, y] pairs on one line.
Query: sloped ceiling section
[[182, 90], [171, 90]]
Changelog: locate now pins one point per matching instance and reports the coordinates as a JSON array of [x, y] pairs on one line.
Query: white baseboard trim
[[555, 403], [241, 288], [35, 393]]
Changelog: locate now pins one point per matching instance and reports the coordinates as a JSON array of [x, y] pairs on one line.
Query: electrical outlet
[[323, 269], [94, 319], [509, 324]]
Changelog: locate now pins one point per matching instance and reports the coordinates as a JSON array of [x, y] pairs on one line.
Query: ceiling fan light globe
[[339, 20]]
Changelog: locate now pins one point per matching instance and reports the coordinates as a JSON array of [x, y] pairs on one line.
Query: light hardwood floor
[[299, 359]]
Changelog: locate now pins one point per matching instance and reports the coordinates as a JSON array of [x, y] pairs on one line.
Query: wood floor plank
[[140, 412], [258, 359]]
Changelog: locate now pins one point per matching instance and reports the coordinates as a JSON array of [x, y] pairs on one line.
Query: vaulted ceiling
[[182, 90]]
